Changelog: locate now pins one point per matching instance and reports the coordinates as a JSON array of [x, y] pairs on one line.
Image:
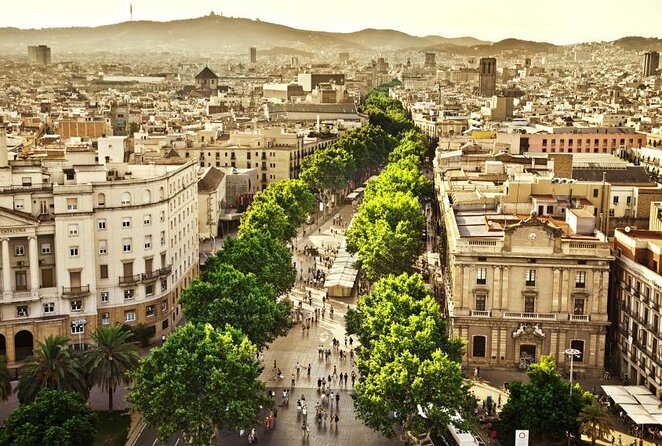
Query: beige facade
[[519, 287], [103, 244]]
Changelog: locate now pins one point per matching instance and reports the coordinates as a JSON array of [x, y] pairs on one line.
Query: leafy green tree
[[268, 218], [200, 380], [401, 176], [402, 382], [258, 253], [110, 360], [229, 296], [327, 169], [412, 143], [54, 418], [386, 234], [594, 421], [544, 406], [53, 366], [353, 321], [5, 382], [386, 113], [293, 196]]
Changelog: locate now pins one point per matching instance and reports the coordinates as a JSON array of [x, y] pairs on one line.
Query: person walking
[[308, 371], [337, 398], [336, 419], [293, 380], [345, 378]]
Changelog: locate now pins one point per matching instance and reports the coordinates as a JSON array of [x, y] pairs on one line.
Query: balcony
[[152, 275], [73, 291], [129, 280], [580, 317], [165, 271], [479, 313], [529, 316]]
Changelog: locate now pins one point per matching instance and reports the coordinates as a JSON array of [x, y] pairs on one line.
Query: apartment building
[[94, 244], [635, 292], [276, 152], [519, 285]]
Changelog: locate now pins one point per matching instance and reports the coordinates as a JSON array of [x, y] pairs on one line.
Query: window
[[129, 316], [615, 199], [164, 305], [18, 204], [72, 204], [579, 306], [126, 198], [628, 200], [21, 310], [149, 311], [162, 238], [148, 242], [49, 307], [128, 294], [162, 216], [126, 245], [164, 285], [103, 271], [550, 209], [579, 345], [595, 193], [149, 290], [480, 302], [19, 250], [478, 350], [105, 297], [101, 224], [126, 222], [76, 305], [481, 276], [45, 248], [77, 328], [147, 219], [73, 251], [103, 247], [73, 230], [105, 318], [529, 304], [101, 200], [580, 279], [531, 277]]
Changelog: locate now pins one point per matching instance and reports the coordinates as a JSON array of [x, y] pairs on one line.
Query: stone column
[[565, 291], [555, 289], [6, 270], [496, 289], [505, 293], [34, 264]]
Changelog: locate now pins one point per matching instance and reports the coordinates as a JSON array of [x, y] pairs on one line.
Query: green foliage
[[113, 428], [200, 380], [386, 234], [594, 421], [53, 366], [5, 383], [228, 296], [403, 175], [406, 358], [544, 406], [293, 196], [257, 253], [267, 218], [140, 333], [369, 146], [327, 169], [412, 143], [353, 321], [386, 113], [54, 418], [111, 358]]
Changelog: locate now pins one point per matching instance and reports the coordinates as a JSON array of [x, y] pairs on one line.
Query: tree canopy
[[267, 218], [327, 169], [411, 143], [229, 296], [54, 418], [293, 196], [386, 234], [404, 175], [200, 380], [5, 383], [544, 405]]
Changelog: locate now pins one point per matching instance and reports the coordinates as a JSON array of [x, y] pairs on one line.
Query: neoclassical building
[[521, 286], [84, 245]]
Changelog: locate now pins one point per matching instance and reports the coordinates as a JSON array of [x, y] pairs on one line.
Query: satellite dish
[[628, 229]]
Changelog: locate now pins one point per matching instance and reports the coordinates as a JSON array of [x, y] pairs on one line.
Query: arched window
[[101, 199], [126, 198], [147, 196]]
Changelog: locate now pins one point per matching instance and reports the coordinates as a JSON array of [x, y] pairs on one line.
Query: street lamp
[[77, 324], [572, 352]]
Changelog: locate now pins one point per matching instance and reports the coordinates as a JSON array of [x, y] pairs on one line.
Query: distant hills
[[214, 34]]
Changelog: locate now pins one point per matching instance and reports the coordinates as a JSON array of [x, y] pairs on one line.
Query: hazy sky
[[557, 21]]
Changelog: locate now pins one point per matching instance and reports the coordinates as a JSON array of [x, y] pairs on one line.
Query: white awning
[[614, 390], [647, 399], [643, 419], [637, 390], [624, 399]]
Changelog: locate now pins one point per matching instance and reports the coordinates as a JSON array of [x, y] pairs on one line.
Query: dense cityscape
[[224, 231]]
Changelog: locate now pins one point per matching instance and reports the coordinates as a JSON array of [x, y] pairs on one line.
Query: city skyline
[[568, 22]]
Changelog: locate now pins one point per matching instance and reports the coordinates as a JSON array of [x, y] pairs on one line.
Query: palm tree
[[5, 384], [594, 421], [53, 366], [112, 358]]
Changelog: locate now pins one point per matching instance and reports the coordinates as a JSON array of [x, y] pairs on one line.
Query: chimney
[[4, 156]]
